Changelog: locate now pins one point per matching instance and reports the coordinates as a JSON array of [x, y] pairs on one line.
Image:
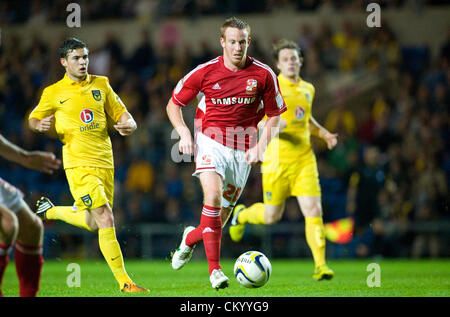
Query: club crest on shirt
[[206, 160], [299, 113], [252, 86], [269, 196], [96, 94], [87, 201]]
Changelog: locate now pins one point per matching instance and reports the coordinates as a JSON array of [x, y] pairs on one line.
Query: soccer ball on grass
[[252, 269]]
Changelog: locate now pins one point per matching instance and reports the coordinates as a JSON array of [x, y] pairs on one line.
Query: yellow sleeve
[[114, 106], [313, 93], [45, 107]]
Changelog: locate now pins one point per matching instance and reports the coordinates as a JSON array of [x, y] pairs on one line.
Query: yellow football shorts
[[91, 187], [298, 178]]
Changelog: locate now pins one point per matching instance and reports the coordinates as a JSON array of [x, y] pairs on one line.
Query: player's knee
[[9, 227], [213, 199], [91, 224], [103, 217], [314, 210], [273, 214], [271, 218], [36, 225], [31, 230], [310, 206]]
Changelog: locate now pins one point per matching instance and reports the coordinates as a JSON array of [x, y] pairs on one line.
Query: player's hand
[[45, 124], [330, 139], [252, 156], [42, 161], [126, 128], [186, 144]]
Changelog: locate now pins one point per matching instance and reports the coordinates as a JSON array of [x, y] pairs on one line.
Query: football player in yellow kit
[[289, 167], [78, 105]]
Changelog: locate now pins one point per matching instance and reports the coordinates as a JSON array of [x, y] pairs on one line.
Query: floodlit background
[[385, 90]]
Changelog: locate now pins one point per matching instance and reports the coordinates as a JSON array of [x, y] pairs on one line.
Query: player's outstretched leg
[[218, 279], [255, 214], [46, 210], [183, 254], [236, 228]]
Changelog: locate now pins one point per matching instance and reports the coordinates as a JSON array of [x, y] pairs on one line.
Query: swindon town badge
[[206, 160], [252, 86]]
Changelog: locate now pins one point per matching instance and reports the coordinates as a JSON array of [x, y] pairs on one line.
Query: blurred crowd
[[48, 11], [391, 165]]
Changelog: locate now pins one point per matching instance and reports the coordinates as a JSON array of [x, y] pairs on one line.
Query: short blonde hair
[[234, 22]]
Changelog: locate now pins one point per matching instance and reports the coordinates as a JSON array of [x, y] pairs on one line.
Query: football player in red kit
[[236, 92]]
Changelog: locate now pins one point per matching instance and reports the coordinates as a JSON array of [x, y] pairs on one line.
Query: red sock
[[4, 259], [29, 262], [194, 236], [211, 233]]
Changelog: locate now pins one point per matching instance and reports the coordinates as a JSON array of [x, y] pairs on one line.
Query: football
[[252, 269]]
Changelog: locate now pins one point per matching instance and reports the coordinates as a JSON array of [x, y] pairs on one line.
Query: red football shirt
[[233, 102]]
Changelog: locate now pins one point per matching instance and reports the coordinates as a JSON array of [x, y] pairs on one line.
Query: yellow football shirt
[[81, 110], [294, 140]]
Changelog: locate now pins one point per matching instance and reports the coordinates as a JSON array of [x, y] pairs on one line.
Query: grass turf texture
[[290, 278]]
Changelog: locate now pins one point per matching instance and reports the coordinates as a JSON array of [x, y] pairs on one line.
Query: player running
[[18, 224], [78, 105], [289, 167], [237, 91]]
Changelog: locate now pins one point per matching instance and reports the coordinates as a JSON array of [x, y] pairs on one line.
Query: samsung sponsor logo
[[233, 100]]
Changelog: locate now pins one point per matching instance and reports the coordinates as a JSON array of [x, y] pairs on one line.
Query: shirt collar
[[286, 81], [248, 62], [69, 81]]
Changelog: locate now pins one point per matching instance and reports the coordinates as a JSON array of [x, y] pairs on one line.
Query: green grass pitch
[[290, 278]]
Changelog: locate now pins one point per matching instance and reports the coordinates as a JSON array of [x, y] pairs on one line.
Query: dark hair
[[234, 23], [282, 44], [69, 45]]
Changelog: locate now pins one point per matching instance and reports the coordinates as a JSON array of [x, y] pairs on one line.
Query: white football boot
[[218, 279], [183, 254]]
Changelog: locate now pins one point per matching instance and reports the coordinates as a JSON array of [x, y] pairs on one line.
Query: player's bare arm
[[41, 126], [283, 124], [271, 128], [186, 145], [319, 131], [126, 124], [42, 161]]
